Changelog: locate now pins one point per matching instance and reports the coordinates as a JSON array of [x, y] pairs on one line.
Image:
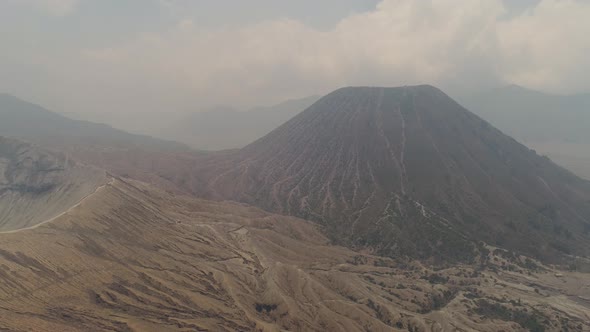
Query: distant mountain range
[[424, 217], [407, 171], [225, 128], [130, 257], [534, 116], [367, 164], [33, 123], [555, 125]]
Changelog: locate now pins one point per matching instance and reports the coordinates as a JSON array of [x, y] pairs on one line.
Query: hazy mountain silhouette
[[556, 125], [226, 128], [407, 171], [129, 257], [402, 171], [33, 123]]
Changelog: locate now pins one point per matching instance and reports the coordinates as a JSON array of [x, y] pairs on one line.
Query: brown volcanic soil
[[132, 258]]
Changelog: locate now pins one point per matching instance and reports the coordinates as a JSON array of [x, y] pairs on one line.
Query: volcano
[[407, 171], [130, 257]]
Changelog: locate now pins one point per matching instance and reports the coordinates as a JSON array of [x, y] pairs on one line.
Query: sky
[[107, 58]]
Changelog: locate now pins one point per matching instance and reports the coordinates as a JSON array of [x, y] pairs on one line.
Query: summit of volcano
[[407, 171]]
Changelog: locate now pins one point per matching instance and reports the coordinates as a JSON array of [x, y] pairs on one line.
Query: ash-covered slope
[[37, 185], [408, 171], [132, 258]]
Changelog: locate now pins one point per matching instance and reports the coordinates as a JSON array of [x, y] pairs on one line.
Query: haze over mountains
[[143, 188], [393, 179], [226, 128], [556, 125], [408, 171], [33, 123], [366, 163], [134, 258]]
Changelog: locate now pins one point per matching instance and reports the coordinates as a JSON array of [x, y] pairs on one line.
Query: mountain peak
[[402, 96], [408, 171], [422, 88]]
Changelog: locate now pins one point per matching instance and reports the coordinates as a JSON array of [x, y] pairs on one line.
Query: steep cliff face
[[408, 171], [37, 185]]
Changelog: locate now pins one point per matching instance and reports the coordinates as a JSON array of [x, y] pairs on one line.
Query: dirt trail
[[63, 213]]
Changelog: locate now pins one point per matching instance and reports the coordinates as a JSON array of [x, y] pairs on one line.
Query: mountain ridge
[[400, 171], [134, 258], [31, 122], [227, 128], [361, 150], [131, 257], [555, 125], [38, 185]]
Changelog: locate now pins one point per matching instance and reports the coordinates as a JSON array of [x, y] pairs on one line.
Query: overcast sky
[[133, 56]]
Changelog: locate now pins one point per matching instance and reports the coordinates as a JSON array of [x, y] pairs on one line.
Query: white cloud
[[548, 47], [54, 7], [455, 44], [400, 42]]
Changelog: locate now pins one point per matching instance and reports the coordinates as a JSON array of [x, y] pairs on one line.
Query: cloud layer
[[456, 44], [54, 7]]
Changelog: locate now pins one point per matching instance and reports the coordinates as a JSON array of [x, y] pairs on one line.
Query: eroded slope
[[36, 185], [131, 258], [407, 171]]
